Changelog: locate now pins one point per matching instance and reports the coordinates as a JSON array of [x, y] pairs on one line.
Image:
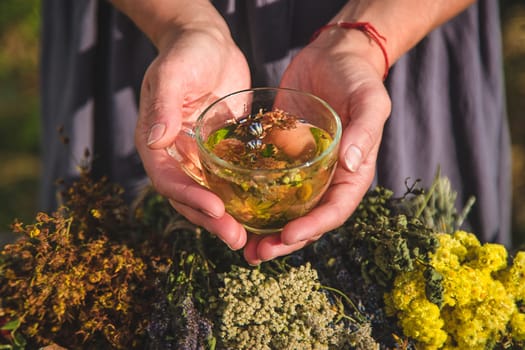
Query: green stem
[[348, 300], [465, 211], [429, 194]]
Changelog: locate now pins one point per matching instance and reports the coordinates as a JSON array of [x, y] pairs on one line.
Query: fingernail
[[237, 244], [353, 158], [155, 133], [209, 213], [232, 245]]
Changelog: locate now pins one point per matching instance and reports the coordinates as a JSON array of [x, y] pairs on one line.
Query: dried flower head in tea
[[268, 140]]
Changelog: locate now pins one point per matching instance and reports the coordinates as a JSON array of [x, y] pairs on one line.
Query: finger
[[171, 181], [323, 218], [226, 227], [368, 112], [265, 248], [160, 111], [250, 250], [184, 190], [339, 202]]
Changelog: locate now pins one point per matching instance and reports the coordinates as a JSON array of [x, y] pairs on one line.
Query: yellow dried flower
[[419, 318], [424, 323], [407, 287], [96, 213], [480, 296], [467, 240], [450, 253], [35, 232], [517, 325], [514, 277], [492, 257]]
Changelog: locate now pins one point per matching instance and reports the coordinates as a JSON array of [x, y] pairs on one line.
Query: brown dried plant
[[70, 279]]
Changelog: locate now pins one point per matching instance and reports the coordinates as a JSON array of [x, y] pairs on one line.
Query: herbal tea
[[281, 146]]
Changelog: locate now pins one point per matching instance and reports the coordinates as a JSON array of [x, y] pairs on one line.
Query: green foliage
[[386, 243], [9, 330], [19, 123], [436, 206], [14, 11], [19, 40]]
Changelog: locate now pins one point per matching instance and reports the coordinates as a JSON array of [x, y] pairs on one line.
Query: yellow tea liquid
[[273, 179]]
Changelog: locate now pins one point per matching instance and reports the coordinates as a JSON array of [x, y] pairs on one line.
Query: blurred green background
[[19, 108], [19, 116]]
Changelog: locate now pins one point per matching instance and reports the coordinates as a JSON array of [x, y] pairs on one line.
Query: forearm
[[159, 19], [403, 22]]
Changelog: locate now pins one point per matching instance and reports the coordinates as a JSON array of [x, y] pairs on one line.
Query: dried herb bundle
[[384, 237], [66, 280], [98, 274]]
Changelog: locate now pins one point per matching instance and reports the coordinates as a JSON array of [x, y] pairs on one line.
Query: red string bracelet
[[366, 28]]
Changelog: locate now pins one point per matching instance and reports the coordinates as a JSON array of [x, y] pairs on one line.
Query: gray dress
[[447, 94]]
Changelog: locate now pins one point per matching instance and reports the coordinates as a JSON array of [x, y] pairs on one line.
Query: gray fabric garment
[[447, 93], [92, 64], [449, 110]]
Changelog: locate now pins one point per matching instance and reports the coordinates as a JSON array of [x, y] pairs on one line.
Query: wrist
[[171, 31], [403, 22], [162, 20], [205, 20], [354, 38]]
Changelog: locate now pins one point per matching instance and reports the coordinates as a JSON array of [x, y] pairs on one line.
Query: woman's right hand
[[195, 65]]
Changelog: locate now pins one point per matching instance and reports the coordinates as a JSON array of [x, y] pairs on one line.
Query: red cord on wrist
[[366, 28]]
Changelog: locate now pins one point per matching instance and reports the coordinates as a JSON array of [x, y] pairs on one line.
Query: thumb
[[364, 130], [159, 112]]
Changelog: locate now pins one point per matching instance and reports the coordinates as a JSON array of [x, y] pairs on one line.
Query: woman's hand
[[193, 67], [349, 78]]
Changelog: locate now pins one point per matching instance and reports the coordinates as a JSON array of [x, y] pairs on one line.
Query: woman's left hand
[[349, 78]]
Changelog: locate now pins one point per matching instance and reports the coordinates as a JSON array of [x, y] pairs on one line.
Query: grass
[[19, 101]]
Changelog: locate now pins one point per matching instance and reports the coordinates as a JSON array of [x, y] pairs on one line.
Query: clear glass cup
[[268, 153]]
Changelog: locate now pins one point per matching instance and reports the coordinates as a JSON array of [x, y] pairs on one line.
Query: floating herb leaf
[[322, 139], [217, 137]]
